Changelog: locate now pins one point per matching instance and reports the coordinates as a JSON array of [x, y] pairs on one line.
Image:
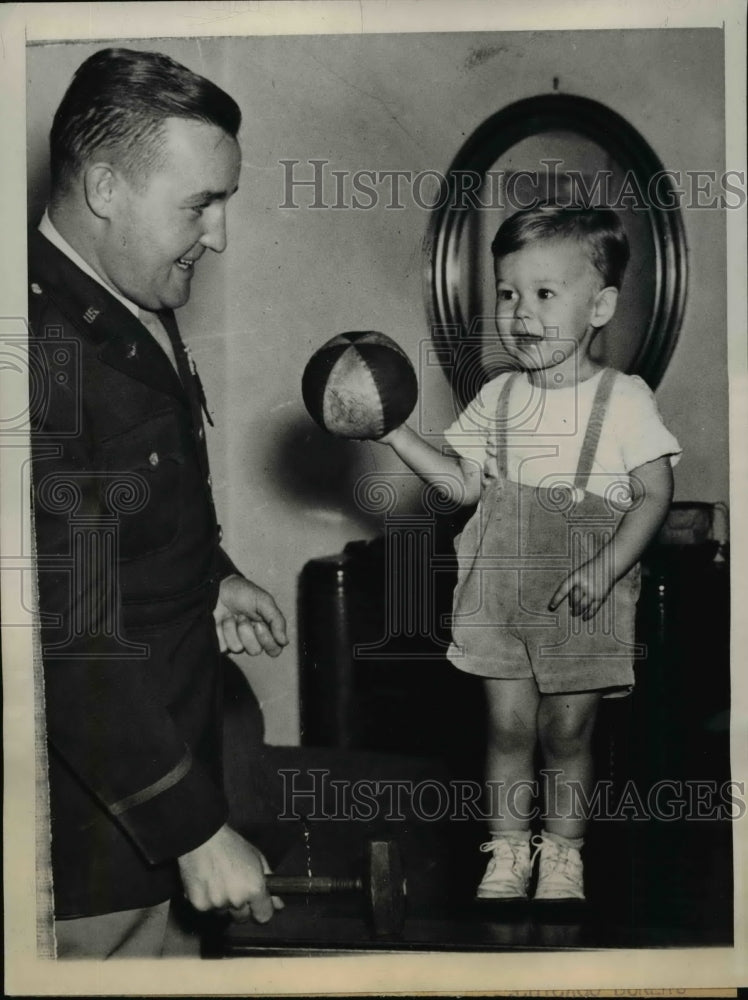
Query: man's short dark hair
[[116, 105], [599, 230]]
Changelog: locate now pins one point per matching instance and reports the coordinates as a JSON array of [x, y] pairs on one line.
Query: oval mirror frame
[[620, 140]]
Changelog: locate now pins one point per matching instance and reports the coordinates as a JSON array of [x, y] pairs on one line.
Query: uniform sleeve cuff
[[176, 820], [225, 566]]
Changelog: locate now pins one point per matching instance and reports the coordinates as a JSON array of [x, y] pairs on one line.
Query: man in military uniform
[[137, 598]]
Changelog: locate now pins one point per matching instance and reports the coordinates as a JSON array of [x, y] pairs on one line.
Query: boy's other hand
[[587, 589]]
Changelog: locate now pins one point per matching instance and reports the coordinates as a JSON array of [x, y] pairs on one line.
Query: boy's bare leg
[[565, 726], [512, 734]]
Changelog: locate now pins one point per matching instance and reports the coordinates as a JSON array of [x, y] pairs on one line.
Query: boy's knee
[[564, 738], [512, 736]]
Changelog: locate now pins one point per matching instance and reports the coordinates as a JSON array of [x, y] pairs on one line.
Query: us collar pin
[[190, 360], [199, 384]]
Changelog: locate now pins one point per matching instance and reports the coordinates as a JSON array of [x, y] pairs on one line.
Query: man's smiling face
[[158, 229]]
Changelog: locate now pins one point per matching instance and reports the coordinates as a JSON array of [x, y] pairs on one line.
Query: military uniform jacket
[[128, 565]]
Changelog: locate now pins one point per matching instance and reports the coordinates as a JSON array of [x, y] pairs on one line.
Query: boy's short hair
[[117, 103], [600, 230]]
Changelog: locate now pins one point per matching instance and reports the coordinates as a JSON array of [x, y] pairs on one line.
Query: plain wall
[[291, 278]]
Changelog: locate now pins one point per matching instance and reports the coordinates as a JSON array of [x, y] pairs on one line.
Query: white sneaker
[[560, 873], [508, 872]]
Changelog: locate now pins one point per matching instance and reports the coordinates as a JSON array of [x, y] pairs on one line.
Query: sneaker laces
[[557, 857], [503, 847]]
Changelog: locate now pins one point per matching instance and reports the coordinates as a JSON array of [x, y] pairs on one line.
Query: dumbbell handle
[[279, 885]]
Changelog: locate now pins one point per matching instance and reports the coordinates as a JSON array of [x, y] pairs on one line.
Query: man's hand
[[247, 619], [227, 874], [587, 588]]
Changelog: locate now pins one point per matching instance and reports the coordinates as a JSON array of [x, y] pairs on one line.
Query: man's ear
[[100, 185], [604, 306]]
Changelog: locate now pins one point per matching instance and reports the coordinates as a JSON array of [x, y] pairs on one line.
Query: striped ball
[[359, 385]]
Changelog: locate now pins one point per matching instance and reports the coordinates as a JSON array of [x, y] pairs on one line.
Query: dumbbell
[[383, 886]]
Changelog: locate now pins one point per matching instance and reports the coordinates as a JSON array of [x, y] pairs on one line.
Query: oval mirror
[[574, 151]]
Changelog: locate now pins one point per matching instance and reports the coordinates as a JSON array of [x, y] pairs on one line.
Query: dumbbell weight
[[383, 886]]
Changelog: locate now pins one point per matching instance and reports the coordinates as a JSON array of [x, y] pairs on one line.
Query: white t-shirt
[[545, 430]]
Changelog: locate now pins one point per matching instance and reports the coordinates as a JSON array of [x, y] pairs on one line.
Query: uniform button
[[210, 480], [220, 533], [153, 458], [36, 289], [201, 433]]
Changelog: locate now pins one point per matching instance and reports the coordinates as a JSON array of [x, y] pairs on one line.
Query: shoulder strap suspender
[[594, 427], [502, 417], [591, 436]]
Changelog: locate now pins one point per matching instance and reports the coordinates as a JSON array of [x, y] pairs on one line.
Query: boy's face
[[549, 305]]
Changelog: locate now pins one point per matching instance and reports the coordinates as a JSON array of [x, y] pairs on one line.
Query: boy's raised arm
[[458, 479]]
